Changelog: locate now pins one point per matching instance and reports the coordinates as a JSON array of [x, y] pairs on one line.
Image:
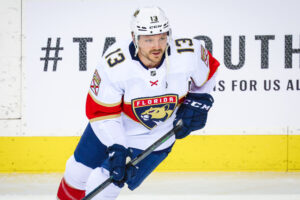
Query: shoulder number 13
[[115, 58], [184, 42]]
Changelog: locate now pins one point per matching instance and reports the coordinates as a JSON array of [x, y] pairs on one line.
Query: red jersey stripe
[[95, 110], [213, 65], [126, 107]]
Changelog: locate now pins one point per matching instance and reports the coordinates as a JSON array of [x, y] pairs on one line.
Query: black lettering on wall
[[289, 52], [108, 42], [227, 53], [264, 49], [82, 52]]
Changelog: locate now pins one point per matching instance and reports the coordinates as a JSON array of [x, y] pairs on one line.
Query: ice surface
[[170, 186]]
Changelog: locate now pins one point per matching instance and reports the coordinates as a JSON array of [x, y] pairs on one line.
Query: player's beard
[[154, 59]]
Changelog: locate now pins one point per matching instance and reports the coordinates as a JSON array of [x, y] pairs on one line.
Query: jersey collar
[[132, 52]]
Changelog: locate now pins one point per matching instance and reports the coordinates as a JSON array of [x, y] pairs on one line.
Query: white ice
[[170, 186]]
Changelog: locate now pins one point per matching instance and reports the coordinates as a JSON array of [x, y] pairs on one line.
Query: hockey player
[[133, 100]]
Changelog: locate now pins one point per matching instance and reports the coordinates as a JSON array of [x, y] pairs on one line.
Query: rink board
[[194, 153]]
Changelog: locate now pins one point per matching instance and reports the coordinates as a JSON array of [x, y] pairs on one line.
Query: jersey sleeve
[[205, 88], [104, 98], [104, 106], [203, 78]]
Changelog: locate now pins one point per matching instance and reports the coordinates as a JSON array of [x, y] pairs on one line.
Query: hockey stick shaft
[[136, 160]]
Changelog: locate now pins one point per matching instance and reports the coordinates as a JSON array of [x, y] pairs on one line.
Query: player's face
[[152, 48]]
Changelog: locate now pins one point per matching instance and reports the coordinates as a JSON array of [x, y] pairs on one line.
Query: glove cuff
[[117, 147], [200, 96]]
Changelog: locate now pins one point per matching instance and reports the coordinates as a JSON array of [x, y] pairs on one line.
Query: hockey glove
[[117, 163], [193, 113], [131, 171]]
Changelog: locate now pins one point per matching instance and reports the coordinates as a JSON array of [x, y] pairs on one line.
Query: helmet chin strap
[[136, 45], [167, 64]]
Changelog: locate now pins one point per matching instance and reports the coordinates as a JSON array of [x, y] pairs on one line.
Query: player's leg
[[89, 154], [72, 185], [98, 176]]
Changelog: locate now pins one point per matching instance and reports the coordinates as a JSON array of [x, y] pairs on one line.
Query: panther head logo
[[157, 113], [152, 111]]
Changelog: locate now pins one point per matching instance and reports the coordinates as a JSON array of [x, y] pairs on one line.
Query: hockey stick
[[136, 160]]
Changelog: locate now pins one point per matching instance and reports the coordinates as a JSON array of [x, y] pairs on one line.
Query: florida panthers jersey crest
[[154, 110]]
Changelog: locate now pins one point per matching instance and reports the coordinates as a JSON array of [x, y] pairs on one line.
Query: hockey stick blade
[[136, 160]]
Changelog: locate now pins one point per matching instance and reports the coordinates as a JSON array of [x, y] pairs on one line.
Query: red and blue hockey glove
[[117, 163], [193, 113]]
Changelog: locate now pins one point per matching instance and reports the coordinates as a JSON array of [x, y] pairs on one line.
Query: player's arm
[[198, 101], [103, 109], [205, 72]]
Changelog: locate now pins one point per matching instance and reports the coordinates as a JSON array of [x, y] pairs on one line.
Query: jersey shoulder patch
[[204, 56], [95, 83]]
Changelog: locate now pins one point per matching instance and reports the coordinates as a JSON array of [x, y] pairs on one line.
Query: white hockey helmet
[[149, 21]]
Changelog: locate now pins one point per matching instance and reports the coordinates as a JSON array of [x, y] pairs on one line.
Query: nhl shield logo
[[151, 111]]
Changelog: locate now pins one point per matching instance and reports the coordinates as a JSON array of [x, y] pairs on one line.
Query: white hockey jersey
[[132, 105]]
